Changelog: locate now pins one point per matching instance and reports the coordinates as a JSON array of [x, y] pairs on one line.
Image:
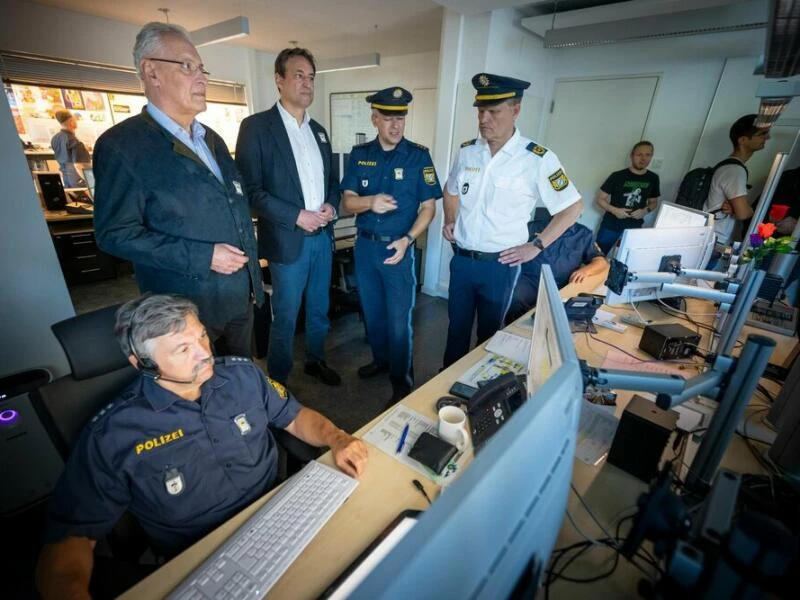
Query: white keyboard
[[249, 563]]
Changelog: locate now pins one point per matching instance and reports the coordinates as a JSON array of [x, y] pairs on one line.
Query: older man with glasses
[[170, 199]]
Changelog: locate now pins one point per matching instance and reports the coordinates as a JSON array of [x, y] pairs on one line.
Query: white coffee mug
[[453, 426]]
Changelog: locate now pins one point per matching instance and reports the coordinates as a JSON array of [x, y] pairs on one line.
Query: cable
[[589, 510], [583, 534], [688, 314], [418, 484]]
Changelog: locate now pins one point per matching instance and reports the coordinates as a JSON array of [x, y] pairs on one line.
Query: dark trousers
[[387, 294], [236, 337], [476, 286], [310, 277], [606, 238], [526, 292]]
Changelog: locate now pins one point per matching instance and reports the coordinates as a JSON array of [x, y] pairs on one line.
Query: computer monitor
[[88, 176], [499, 521], [641, 250], [674, 215], [52, 189]]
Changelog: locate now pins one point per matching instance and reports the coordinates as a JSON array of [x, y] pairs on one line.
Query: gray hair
[[150, 38], [150, 316]]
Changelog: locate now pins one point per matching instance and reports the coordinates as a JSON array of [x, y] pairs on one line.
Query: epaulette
[[113, 406], [536, 149], [232, 361], [471, 142], [416, 145]]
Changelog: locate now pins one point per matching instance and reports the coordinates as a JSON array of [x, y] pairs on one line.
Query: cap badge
[[397, 93], [483, 80]]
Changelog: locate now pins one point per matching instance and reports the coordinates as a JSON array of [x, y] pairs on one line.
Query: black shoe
[[399, 391], [323, 372], [372, 369]]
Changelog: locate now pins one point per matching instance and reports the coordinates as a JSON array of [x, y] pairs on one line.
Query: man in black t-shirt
[[627, 196]]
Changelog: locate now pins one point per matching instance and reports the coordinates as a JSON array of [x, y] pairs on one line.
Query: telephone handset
[[493, 404]]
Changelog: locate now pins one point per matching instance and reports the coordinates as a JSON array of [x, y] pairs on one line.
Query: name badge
[[364, 183], [173, 481], [322, 138], [398, 174], [242, 423], [238, 187]]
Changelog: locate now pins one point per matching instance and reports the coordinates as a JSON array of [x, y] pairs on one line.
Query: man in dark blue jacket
[[286, 160], [169, 198]]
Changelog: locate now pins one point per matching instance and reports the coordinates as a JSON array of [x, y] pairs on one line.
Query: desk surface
[[386, 490]]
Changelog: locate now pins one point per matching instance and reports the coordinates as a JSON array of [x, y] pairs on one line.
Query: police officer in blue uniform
[[183, 448], [495, 183], [573, 257], [390, 183]]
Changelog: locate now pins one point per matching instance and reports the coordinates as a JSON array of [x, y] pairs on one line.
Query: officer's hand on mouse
[[382, 203], [350, 454]]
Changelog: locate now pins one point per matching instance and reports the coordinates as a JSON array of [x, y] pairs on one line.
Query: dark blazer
[[265, 159], [160, 207]]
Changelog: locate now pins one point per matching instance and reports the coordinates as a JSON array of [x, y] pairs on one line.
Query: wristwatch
[[538, 243], [410, 238]]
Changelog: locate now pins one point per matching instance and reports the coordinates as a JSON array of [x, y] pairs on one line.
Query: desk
[[384, 491]]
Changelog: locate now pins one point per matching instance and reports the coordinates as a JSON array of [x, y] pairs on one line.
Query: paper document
[[491, 366], [515, 347], [386, 435], [595, 433]]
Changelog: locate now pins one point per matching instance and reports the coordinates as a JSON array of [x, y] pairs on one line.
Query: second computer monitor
[[500, 519], [674, 215], [642, 251]]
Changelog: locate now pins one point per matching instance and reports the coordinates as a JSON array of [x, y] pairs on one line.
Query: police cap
[[492, 89], [392, 101]]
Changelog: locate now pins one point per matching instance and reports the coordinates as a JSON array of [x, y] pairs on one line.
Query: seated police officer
[[573, 257], [390, 183], [184, 448]]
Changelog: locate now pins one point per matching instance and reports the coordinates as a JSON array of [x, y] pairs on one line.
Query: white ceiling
[[329, 28]]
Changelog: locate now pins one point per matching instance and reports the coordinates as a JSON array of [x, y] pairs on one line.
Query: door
[[593, 125]]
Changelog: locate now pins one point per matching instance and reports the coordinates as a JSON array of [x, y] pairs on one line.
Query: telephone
[[493, 404]]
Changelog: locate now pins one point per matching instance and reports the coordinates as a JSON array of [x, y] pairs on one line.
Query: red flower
[[765, 230]]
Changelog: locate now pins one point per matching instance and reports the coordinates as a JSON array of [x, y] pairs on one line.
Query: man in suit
[[168, 196], [286, 161]]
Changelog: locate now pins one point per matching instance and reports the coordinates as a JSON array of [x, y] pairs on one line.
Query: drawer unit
[[81, 260]]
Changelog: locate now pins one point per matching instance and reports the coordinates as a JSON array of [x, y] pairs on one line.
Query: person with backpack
[[727, 194], [627, 196]]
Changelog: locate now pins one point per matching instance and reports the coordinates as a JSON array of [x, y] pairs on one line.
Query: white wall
[[33, 294]]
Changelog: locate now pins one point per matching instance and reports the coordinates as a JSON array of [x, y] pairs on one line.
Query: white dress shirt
[[498, 193], [307, 157]]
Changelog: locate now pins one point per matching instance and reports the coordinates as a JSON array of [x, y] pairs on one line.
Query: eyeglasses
[[188, 67]]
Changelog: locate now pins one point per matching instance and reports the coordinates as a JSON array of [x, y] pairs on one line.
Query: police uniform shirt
[[406, 173], [498, 193], [181, 467], [573, 248]]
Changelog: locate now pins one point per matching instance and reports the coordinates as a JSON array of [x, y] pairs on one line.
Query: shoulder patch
[[420, 146], [536, 149], [231, 361], [278, 388], [559, 180], [471, 142], [429, 175]]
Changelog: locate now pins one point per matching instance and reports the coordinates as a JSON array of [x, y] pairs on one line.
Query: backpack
[[694, 188]]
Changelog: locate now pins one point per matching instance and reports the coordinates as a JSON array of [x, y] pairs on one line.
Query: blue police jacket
[[159, 206], [406, 173], [575, 247], [180, 467]]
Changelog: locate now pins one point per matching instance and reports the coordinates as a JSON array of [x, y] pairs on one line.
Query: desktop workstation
[[386, 490]]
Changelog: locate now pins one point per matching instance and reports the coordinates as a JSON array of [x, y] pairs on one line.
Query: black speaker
[[641, 437]]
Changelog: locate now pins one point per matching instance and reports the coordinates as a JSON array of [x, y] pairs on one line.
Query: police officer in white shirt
[[493, 187]]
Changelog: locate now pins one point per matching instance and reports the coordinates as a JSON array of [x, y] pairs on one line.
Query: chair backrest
[[99, 372]]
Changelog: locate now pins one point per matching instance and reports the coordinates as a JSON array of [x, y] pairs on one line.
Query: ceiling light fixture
[[347, 63], [221, 32]]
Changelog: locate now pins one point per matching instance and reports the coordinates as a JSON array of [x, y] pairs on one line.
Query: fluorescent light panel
[[347, 63], [221, 32]]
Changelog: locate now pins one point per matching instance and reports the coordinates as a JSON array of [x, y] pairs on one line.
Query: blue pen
[[402, 439]]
